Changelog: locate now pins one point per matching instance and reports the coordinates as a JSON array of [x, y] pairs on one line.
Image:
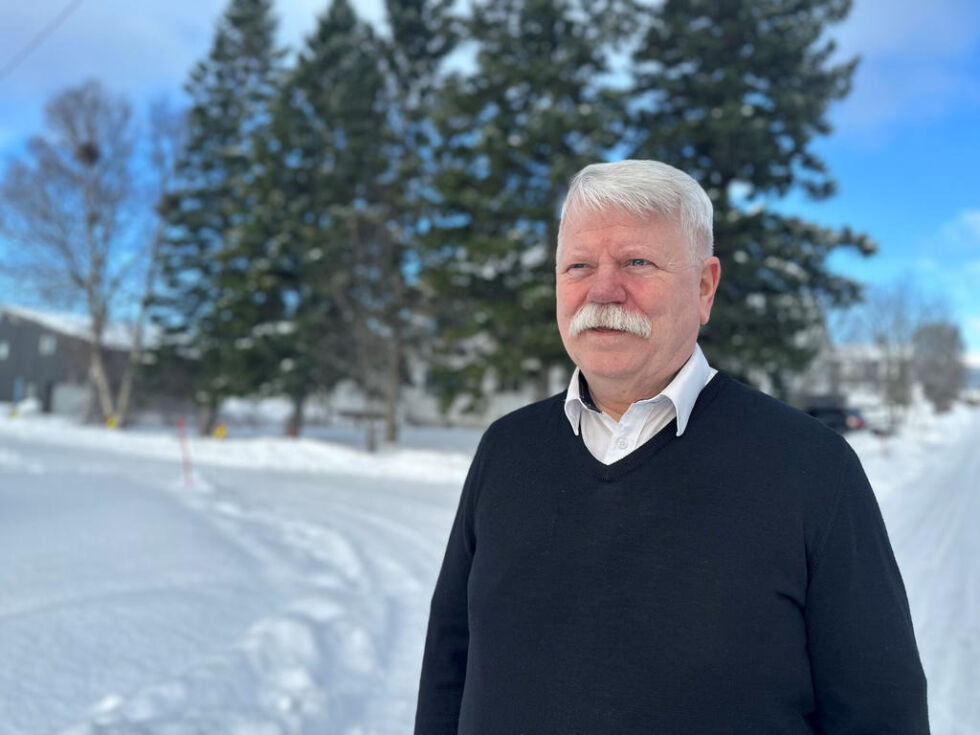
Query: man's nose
[[607, 286]]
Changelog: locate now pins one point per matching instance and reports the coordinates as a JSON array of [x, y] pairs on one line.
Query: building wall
[[38, 362]]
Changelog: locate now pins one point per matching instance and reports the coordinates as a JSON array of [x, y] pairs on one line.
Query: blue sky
[[905, 149]]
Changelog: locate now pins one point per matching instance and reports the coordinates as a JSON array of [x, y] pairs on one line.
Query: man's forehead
[[609, 227]]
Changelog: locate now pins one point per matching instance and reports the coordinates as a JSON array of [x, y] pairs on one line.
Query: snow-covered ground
[[286, 590]]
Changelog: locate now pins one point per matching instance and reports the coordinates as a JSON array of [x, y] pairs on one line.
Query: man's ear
[[710, 275]]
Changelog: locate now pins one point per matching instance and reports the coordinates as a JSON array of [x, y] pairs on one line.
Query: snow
[[282, 454], [287, 589], [928, 485]]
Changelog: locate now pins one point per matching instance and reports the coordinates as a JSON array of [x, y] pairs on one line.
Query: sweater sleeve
[[447, 638], [865, 666]]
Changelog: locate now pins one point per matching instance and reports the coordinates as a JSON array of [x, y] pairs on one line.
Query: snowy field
[[286, 590]]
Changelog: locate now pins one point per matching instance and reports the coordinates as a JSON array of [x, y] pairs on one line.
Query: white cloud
[[885, 92], [950, 280], [962, 234], [143, 49], [914, 61], [910, 28], [949, 263], [133, 47], [129, 46]]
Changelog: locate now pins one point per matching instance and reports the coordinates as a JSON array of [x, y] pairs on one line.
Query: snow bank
[[295, 455]]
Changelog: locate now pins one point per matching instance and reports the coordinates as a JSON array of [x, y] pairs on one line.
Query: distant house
[[860, 368], [878, 379], [45, 355]]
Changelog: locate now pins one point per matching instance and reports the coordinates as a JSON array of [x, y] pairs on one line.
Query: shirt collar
[[682, 392]]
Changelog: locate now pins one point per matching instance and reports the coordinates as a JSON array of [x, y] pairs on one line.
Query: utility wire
[[38, 38]]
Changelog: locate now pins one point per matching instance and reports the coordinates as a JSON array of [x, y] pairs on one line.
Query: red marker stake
[[185, 452]]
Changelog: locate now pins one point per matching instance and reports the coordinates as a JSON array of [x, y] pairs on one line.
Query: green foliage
[[423, 33], [229, 92], [314, 170], [734, 93], [336, 196], [514, 130], [319, 209]]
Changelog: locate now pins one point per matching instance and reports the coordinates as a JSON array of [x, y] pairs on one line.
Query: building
[[861, 368], [45, 355]]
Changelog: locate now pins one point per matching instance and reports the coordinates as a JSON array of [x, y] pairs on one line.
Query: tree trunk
[[359, 318], [125, 393], [125, 399], [92, 404], [372, 437], [100, 380], [295, 423], [393, 379], [394, 355], [136, 352], [209, 416]]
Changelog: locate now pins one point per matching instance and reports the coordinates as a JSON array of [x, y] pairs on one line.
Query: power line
[[38, 38]]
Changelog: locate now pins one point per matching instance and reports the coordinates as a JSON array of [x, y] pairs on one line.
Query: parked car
[[839, 418]]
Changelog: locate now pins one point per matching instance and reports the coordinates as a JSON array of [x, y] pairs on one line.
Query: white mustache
[[610, 316]]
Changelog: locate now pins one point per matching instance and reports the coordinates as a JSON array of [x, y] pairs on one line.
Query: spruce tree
[[514, 131], [311, 244], [198, 304], [734, 93], [422, 34]]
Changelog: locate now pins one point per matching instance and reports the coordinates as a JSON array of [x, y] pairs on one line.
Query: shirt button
[[621, 443]]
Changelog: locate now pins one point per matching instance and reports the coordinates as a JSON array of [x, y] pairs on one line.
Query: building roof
[[117, 336]]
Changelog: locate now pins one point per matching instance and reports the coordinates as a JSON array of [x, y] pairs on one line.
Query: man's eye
[[638, 262], [578, 266]]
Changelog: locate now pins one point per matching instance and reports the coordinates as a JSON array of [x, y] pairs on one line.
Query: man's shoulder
[[778, 451], [528, 421], [761, 416]]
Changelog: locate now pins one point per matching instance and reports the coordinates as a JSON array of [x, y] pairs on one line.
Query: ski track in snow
[[329, 661], [352, 559], [342, 654]]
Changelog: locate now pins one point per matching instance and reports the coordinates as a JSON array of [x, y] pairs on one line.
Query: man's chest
[[696, 560]]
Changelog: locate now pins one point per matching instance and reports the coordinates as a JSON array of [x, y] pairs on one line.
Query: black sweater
[[736, 579]]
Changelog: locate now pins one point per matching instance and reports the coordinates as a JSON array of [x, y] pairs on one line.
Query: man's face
[[644, 265]]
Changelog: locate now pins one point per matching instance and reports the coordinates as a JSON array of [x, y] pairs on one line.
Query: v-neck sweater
[[736, 580]]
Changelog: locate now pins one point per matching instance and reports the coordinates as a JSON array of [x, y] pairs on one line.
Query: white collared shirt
[[609, 440]]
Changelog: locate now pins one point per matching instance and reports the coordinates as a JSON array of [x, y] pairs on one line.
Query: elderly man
[[661, 549]]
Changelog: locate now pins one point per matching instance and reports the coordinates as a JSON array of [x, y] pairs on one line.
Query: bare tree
[[888, 318], [65, 204], [939, 365], [166, 134]]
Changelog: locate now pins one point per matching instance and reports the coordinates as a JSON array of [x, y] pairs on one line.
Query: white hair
[[645, 188]]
